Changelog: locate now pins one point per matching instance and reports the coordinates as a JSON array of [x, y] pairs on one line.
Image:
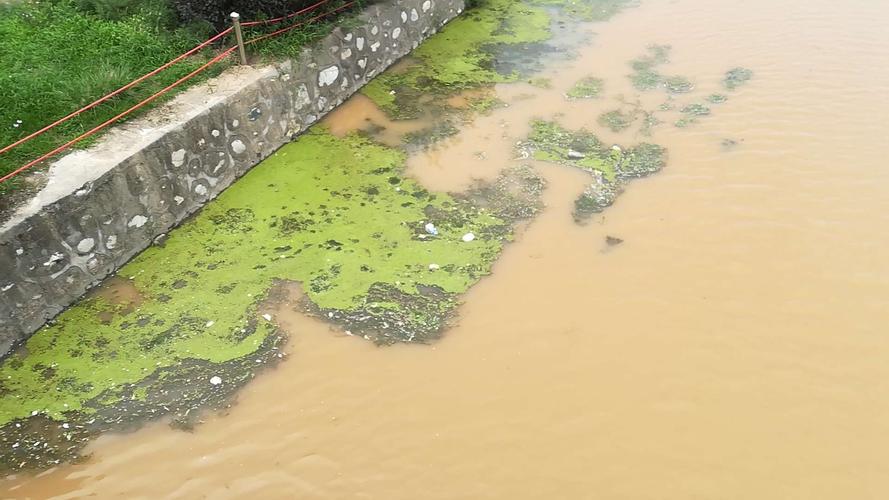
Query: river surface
[[734, 345]]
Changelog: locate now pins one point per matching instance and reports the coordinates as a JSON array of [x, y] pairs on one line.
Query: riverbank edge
[[102, 206]]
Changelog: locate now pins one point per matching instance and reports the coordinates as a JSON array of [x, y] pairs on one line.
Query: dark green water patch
[[586, 88], [736, 77], [611, 167], [617, 120]]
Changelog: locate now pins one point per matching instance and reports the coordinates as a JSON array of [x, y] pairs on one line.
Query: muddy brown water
[[735, 345]]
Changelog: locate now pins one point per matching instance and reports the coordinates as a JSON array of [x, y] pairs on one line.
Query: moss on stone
[[586, 88]]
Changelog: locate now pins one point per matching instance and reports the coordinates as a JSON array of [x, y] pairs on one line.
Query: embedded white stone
[[238, 146], [403, 16], [345, 54], [86, 245], [374, 30], [19, 251], [374, 46], [427, 5], [414, 15], [235, 123], [200, 189], [396, 33], [178, 157], [215, 380], [7, 287], [348, 37], [328, 75], [322, 102], [137, 221], [360, 43], [215, 133], [178, 199], [53, 259], [111, 242], [362, 63]]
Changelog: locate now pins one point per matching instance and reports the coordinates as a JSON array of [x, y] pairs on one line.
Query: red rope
[[93, 131], [144, 77], [284, 18], [116, 92]]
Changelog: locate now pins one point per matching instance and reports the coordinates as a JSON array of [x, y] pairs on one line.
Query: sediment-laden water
[[699, 310]]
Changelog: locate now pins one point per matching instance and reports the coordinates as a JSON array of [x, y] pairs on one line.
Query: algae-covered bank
[[497, 41], [375, 252]]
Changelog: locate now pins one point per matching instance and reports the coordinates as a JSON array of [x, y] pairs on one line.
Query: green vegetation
[[610, 167], [586, 88], [644, 76], [61, 55], [460, 56], [345, 224], [717, 98], [678, 84], [541, 83], [56, 59], [736, 77], [617, 120]]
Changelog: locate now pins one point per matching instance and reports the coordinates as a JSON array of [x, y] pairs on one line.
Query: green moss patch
[[617, 120], [736, 77], [335, 214], [586, 88], [461, 56], [610, 166]]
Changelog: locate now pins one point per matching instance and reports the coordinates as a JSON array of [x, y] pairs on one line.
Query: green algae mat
[[375, 253]]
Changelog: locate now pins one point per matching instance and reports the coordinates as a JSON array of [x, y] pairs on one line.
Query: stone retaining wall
[[102, 206]]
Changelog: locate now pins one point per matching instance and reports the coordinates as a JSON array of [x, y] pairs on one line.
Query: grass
[[57, 57]]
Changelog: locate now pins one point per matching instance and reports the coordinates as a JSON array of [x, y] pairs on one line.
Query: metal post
[[236, 23]]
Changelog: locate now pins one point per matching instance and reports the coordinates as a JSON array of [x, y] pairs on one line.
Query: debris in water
[[468, 237], [431, 229], [434, 267]]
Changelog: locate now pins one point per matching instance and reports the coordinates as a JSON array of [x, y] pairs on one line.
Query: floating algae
[[333, 214], [610, 166], [617, 120], [736, 77], [644, 76], [586, 88]]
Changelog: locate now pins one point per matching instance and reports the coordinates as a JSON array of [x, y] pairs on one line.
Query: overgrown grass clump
[[61, 55], [57, 58]]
